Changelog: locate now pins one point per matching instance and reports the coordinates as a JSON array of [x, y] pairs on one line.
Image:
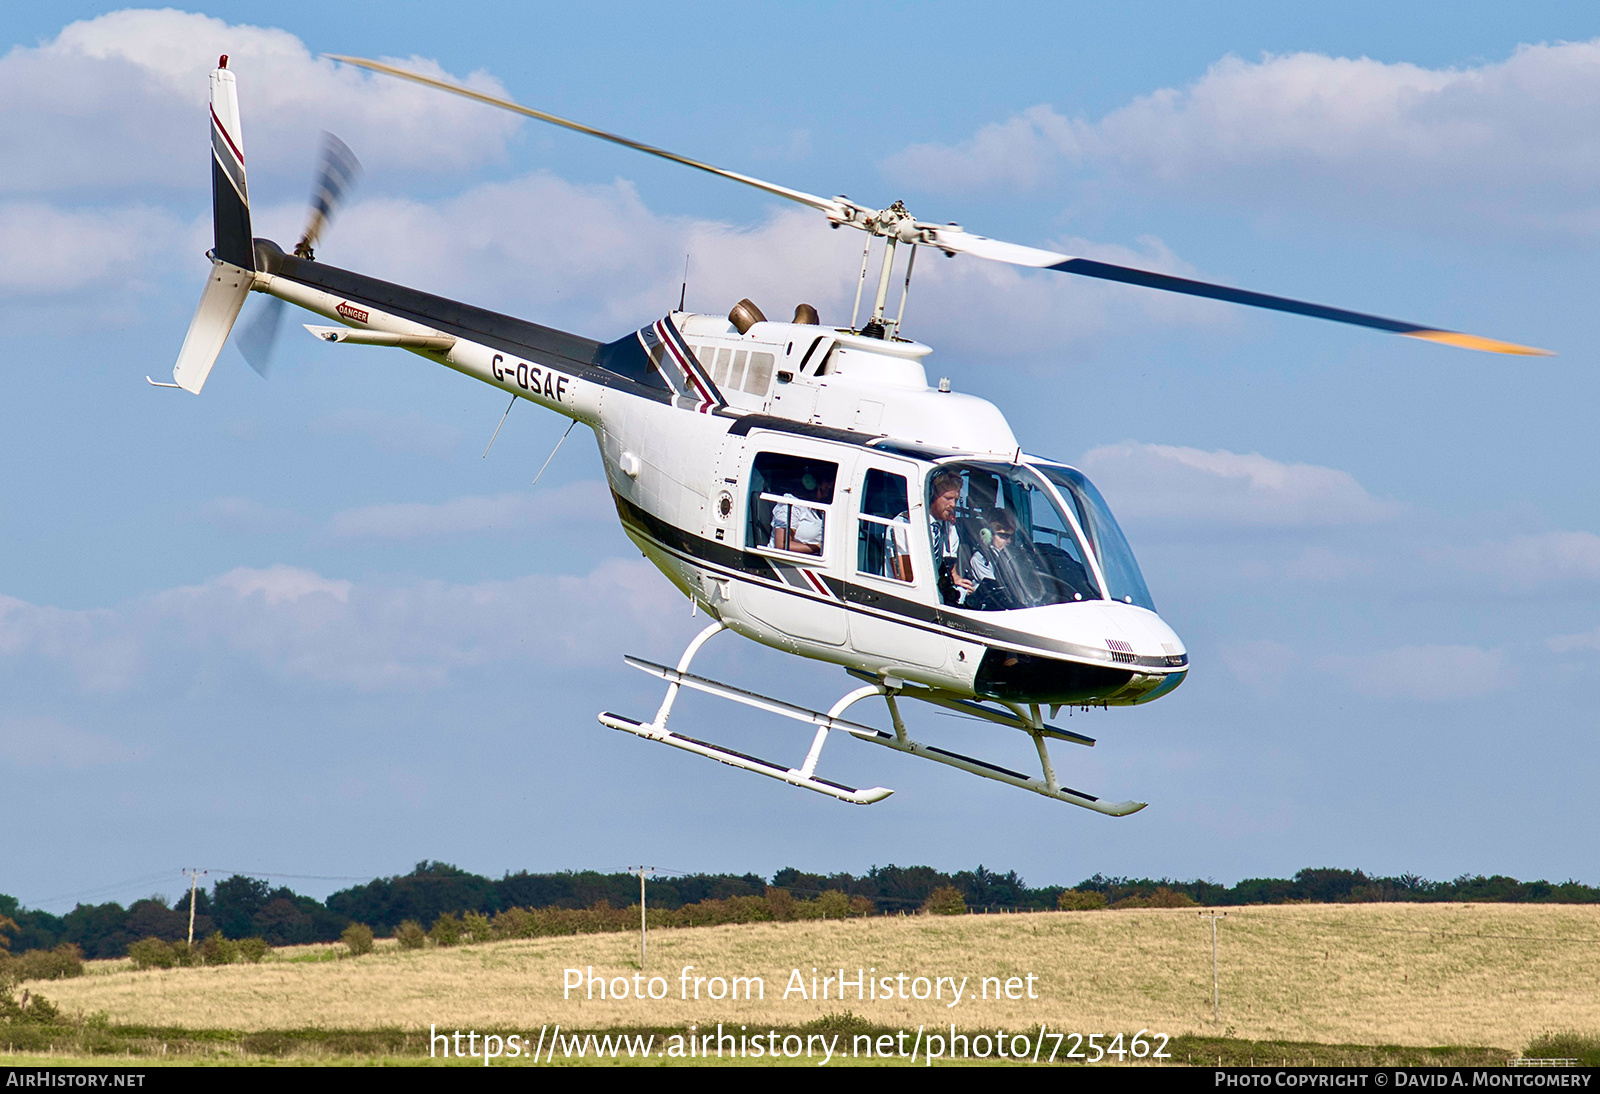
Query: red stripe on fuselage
[[816, 582], [706, 401]]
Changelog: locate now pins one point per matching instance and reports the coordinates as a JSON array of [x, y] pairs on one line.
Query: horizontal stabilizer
[[224, 295]]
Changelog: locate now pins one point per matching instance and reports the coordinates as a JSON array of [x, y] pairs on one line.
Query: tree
[[235, 903]]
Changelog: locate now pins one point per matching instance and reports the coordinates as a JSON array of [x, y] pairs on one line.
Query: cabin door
[[891, 564]]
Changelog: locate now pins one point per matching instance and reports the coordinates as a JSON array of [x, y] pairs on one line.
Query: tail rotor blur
[[340, 170], [338, 173]]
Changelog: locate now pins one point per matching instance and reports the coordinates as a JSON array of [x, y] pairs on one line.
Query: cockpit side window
[[1000, 543], [790, 498]]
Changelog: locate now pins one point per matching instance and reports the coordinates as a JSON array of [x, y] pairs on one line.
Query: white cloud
[[280, 584], [597, 260], [1526, 562], [87, 641], [45, 742], [1189, 486], [1567, 643], [45, 249], [1018, 153], [1508, 143], [247, 515], [566, 505], [295, 625], [1429, 673], [120, 101]]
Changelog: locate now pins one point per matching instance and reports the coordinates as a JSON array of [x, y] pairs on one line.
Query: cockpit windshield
[[1123, 580], [1001, 542]]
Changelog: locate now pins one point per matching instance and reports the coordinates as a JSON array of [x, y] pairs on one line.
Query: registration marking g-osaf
[[547, 382]]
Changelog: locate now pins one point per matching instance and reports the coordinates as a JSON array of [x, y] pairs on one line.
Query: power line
[[99, 889]]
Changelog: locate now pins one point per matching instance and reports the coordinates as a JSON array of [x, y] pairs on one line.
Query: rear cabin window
[[883, 528], [790, 498], [737, 369]]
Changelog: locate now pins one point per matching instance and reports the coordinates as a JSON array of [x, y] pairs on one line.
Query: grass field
[[1494, 975]]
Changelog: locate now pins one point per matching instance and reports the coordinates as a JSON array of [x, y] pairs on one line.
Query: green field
[[1363, 983]]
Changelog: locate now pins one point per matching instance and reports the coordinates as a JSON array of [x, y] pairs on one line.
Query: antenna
[[553, 452], [503, 418], [684, 293]]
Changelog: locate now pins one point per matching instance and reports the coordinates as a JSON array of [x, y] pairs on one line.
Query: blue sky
[[298, 626]]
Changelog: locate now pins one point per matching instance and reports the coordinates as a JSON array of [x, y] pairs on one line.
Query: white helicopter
[[803, 484]]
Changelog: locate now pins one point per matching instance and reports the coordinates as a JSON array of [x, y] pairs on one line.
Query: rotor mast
[[895, 224]]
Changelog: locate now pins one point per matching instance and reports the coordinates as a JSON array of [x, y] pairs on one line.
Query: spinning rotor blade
[[961, 242], [338, 173], [896, 223], [826, 205], [257, 338]]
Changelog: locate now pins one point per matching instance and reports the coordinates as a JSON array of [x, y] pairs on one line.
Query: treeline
[[242, 907]]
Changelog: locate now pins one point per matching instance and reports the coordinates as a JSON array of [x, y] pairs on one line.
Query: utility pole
[[194, 881], [641, 870], [1216, 998]]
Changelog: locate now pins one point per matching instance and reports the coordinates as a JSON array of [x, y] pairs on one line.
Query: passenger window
[[738, 370], [789, 501], [883, 537], [759, 377]]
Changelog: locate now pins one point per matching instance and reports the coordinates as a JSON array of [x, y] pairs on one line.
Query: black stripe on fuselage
[[857, 598], [542, 345], [876, 442]]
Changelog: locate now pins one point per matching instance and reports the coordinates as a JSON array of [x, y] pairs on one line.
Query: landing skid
[[1012, 715]]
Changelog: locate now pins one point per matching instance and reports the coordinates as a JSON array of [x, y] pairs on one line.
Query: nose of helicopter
[[1091, 652], [1108, 625]]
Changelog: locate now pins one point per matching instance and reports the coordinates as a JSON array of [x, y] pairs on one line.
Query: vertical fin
[[233, 256], [230, 195]]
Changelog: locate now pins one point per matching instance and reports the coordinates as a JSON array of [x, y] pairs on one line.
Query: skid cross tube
[[1013, 716], [803, 776], [1028, 720], [900, 741]]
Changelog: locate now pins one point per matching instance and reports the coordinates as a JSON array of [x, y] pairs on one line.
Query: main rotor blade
[[999, 251], [825, 205], [951, 239]]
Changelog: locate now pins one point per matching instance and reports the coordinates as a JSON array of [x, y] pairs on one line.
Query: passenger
[[799, 527]]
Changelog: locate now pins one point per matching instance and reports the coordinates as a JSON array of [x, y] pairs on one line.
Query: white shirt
[[805, 524]]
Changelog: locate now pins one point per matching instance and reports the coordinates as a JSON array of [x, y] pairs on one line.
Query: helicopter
[[803, 484]]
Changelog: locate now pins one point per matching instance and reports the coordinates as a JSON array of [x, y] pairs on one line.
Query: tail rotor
[[338, 173]]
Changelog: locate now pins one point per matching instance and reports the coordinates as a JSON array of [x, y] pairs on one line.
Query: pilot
[[946, 537], [796, 526], [995, 566]]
